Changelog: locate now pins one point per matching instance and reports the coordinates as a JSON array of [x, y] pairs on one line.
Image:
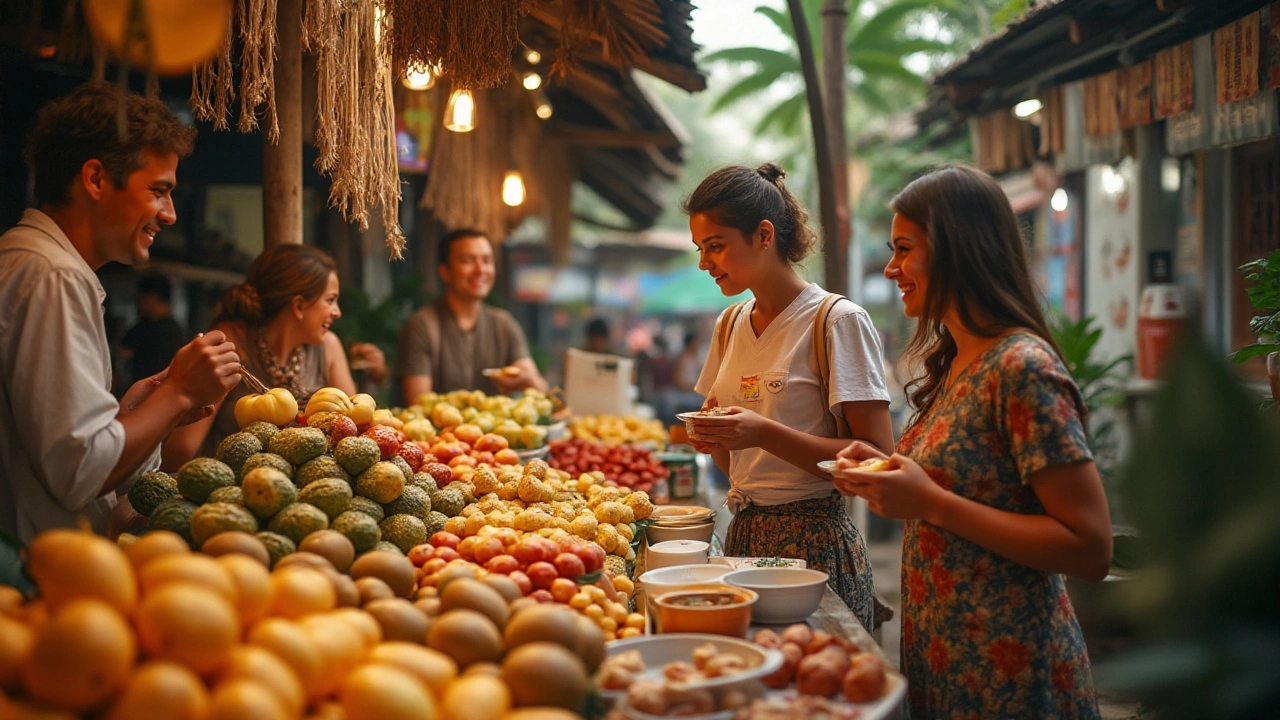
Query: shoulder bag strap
[[823, 363], [724, 328]]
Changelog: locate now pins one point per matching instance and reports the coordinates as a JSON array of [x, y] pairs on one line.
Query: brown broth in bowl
[[704, 599]]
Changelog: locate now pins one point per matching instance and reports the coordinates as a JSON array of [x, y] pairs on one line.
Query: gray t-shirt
[[432, 343]]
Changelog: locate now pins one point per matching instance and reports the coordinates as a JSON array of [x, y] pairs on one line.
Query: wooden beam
[[282, 162], [835, 246], [605, 137], [1171, 5]]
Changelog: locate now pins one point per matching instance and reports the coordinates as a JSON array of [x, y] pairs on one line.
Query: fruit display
[[521, 420], [623, 465], [152, 630], [618, 430]]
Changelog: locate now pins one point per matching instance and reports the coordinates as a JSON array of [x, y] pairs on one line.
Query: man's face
[[469, 272], [126, 219]]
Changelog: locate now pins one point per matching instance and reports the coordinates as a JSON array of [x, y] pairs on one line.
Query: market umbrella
[[684, 291]]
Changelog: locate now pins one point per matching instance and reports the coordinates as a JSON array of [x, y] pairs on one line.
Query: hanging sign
[[1273, 44], [1134, 85], [1100, 114], [1173, 81], [1235, 49], [1211, 124]]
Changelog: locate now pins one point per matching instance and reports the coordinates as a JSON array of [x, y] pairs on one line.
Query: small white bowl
[[787, 595], [676, 552], [678, 577], [657, 533]]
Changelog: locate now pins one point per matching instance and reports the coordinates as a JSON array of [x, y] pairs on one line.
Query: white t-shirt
[[775, 375]]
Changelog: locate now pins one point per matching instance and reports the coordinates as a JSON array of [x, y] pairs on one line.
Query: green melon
[[230, 494], [150, 490], [213, 518], [403, 531], [298, 445], [385, 546], [332, 495], [413, 501], [356, 454], [382, 482], [449, 500], [368, 507], [435, 522], [298, 521], [173, 515], [267, 491], [403, 465], [277, 545], [202, 476], [262, 430], [424, 481], [270, 460], [236, 448], [359, 528], [318, 469]]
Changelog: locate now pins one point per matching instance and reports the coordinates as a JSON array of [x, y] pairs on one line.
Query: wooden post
[[835, 16], [821, 139], [282, 162]]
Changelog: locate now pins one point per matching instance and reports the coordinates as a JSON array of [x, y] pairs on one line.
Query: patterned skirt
[[818, 531]]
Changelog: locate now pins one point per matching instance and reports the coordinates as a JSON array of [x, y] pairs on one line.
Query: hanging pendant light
[[460, 112], [417, 77], [512, 189], [531, 81]]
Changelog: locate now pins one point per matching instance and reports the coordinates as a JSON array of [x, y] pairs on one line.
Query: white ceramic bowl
[[658, 533], [678, 577], [787, 595], [676, 552], [658, 650]]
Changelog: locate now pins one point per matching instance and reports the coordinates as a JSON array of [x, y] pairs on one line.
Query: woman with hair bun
[[993, 475], [786, 407], [279, 320]]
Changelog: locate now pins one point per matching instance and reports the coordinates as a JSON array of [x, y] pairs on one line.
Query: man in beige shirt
[[67, 447]]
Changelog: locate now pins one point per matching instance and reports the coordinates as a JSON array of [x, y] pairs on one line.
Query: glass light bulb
[[512, 189], [460, 113], [544, 110], [418, 78], [533, 56], [1059, 200], [531, 81], [1026, 108]]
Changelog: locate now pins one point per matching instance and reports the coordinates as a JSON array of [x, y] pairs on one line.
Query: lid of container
[[681, 515], [679, 547]]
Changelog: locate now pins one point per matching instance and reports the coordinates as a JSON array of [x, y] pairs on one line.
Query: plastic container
[[1163, 316], [682, 466], [732, 619]]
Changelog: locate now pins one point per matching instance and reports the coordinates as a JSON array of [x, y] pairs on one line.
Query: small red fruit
[[467, 548], [506, 457], [542, 574], [542, 596], [441, 473], [491, 443], [563, 589], [521, 580], [528, 551], [570, 565], [487, 549], [449, 540], [420, 554], [503, 565], [592, 555], [433, 566], [387, 439], [413, 455], [447, 554]]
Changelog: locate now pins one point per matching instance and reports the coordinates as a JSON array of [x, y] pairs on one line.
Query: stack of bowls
[[681, 522]]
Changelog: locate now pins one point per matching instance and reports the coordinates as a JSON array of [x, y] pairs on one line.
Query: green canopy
[[684, 291]]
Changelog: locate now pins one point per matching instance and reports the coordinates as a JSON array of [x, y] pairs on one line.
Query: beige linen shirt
[[59, 437]]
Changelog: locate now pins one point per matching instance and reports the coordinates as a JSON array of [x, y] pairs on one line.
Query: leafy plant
[[1265, 295], [1100, 383]]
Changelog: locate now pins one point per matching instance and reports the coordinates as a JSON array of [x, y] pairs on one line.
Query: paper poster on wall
[[1210, 124], [1173, 81], [1235, 49], [1112, 268]]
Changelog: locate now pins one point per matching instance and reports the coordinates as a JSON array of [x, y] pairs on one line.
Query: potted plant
[[1265, 296]]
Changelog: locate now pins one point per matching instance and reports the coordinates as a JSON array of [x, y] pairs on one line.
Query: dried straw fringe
[[257, 65], [626, 29], [464, 187], [468, 41]]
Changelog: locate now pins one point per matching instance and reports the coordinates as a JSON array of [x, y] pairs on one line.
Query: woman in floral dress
[[993, 475]]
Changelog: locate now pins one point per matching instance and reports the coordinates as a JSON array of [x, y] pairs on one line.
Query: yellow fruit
[[161, 690], [251, 662], [11, 600], [32, 710], [70, 564], [478, 596], [15, 647], [291, 644], [363, 623], [548, 623], [153, 545], [328, 711], [81, 657], [237, 542], [190, 624], [399, 619], [340, 646], [543, 673], [190, 568], [252, 582], [385, 692], [240, 698], [435, 669], [298, 591], [476, 697], [466, 636]]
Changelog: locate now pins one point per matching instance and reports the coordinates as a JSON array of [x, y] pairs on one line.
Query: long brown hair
[[740, 198], [978, 264], [275, 278]]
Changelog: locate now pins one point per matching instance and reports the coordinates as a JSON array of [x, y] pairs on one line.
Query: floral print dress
[[983, 636]]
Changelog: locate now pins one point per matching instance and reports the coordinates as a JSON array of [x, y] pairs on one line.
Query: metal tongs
[[254, 383]]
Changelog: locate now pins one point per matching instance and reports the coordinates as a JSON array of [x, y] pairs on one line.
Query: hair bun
[[242, 302], [771, 172]]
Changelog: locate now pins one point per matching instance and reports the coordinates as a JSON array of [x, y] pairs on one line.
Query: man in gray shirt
[[445, 346], [104, 164]]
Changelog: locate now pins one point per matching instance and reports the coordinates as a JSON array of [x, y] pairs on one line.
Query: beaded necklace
[[284, 374]]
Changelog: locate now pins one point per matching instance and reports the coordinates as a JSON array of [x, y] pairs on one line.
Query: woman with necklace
[[279, 321], [785, 408], [993, 475]]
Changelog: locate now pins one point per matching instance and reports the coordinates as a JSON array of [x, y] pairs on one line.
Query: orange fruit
[[190, 624], [70, 564], [291, 644], [383, 692], [363, 623], [15, 647], [298, 591], [153, 545], [190, 568], [435, 669], [161, 690], [11, 600], [32, 710], [254, 663], [81, 657], [240, 698], [341, 647], [252, 582]]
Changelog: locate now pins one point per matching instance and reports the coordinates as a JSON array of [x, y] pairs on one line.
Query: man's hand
[[370, 358], [138, 393], [512, 379], [204, 370]]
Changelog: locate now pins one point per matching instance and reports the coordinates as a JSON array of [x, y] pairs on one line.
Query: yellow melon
[[81, 657], [255, 663], [252, 582], [383, 692], [190, 568], [241, 698], [298, 591], [70, 564], [161, 690], [291, 644], [153, 545], [190, 624]]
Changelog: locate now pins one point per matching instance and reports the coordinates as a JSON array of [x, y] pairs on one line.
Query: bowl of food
[[685, 673], [787, 594], [689, 417], [678, 577], [718, 608]]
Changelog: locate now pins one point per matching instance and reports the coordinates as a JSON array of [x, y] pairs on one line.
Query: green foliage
[[1201, 489], [1100, 384], [1265, 295]]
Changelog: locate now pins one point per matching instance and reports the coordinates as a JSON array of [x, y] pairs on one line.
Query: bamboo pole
[[821, 143], [282, 161], [835, 16]]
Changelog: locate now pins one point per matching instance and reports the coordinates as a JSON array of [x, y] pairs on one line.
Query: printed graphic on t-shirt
[[749, 388], [774, 382]]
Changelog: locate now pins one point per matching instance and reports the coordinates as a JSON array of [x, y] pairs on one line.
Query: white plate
[[698, 415], [491, 372], [534, 454], [828, 466], [658, 650]]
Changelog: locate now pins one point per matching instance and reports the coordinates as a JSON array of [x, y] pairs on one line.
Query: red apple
[[570, 565], [529, 550], [542, 574], [592, 556], [447, 554], [420, 554], [563, 589], [487, 549], [503, 565], [446, 539]]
